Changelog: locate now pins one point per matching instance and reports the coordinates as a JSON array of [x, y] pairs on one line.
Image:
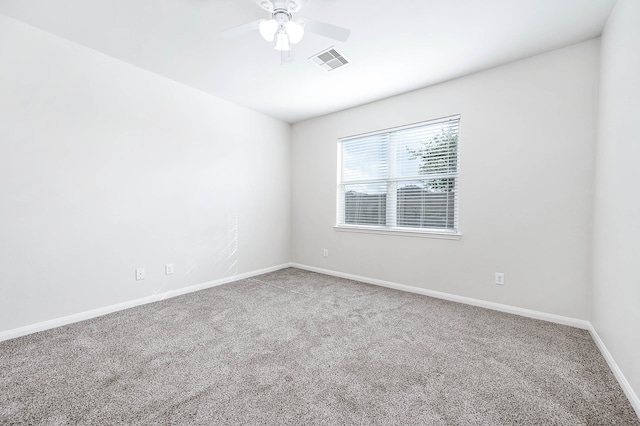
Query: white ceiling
[[395, 46]]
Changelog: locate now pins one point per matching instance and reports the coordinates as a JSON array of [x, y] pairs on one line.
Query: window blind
[[401, 178]]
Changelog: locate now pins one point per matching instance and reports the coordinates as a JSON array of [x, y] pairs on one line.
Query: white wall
[[526, 186], [616, 249], [105, 167]]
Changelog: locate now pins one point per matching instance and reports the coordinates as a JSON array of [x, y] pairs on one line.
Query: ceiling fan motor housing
[[292, 6], [281, 16]]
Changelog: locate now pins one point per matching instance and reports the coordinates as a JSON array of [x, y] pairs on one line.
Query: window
[[402, 179]]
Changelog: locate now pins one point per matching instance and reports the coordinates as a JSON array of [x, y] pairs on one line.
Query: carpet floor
[[295, 347]]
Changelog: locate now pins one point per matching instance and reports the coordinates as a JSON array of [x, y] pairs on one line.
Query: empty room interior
[[319, 212]]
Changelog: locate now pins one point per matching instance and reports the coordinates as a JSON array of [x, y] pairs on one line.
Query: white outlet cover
[[168, 268], [139, 274], [500, 278]]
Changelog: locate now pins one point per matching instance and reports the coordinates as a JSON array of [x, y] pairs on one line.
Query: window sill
[[401, 232]]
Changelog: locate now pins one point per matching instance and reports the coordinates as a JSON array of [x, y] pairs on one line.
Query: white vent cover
[[330, 59]]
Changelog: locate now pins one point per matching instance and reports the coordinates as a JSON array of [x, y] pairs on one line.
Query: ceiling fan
[[283, 28]]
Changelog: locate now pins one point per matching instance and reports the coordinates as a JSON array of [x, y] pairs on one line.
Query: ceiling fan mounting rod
[[288, 5]]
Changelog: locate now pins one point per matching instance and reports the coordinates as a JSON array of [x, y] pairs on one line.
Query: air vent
[[330, 59]]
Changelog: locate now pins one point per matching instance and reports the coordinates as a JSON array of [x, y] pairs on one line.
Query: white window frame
[[391, 199]]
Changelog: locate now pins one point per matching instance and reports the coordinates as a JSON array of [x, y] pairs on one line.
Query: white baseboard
[[624, 384], [583, 324], [57, 322], [573, 322], [626, 387]]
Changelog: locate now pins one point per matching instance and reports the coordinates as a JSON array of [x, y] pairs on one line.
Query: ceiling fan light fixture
[[282, 28], [295, 31], [282, 42], [268, 29]]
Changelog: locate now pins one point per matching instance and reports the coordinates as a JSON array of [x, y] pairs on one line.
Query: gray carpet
[[295, 347]]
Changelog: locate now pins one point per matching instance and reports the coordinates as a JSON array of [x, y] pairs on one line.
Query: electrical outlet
[[325, 252], [139, 274], [500, 278], [168, 269]]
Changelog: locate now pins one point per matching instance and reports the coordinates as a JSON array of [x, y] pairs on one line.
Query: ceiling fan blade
[[240, 29], [327, 30]]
